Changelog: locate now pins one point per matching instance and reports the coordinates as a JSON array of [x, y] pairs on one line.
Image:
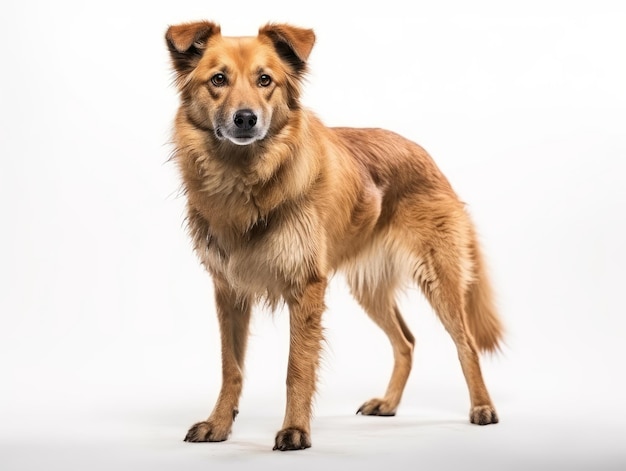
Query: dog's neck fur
[[235, 188]]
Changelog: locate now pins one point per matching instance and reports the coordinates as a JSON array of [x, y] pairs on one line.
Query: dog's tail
[[482, 317]]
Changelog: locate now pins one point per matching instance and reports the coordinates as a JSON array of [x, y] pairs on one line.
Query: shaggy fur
[[277, 202]]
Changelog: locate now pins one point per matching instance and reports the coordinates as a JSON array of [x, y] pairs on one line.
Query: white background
[[108, 341]]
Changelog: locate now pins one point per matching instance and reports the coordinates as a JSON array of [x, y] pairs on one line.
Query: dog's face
[[241, 89]]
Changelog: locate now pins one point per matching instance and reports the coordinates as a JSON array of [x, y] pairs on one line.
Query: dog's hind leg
[[442, 274], [381, 307], [234, 318]]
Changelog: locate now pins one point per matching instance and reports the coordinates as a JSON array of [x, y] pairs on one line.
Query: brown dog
[[277, 202]]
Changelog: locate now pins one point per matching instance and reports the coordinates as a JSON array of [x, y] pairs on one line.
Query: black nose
[[244, 119]]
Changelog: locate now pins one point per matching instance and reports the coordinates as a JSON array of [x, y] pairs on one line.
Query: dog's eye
[[219, 80], [264, 80]]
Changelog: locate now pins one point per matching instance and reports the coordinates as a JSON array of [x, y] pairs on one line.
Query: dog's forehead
[[243, 51]]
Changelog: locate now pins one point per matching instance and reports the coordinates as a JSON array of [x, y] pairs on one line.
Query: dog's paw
[[208, 431], [292, 439], [483, 415], [377, 407]]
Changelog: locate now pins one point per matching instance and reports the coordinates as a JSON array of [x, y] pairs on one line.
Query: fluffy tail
[[482, 317]]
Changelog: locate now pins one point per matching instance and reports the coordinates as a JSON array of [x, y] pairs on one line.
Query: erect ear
[[187, 42], [292, 44]]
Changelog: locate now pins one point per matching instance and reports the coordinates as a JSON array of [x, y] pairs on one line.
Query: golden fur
[[277, 202]]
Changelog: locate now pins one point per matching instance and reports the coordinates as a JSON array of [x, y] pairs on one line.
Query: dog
[[277, 202]]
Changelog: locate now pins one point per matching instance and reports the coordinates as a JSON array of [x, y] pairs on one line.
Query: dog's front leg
[[234, 318], [305, 313]]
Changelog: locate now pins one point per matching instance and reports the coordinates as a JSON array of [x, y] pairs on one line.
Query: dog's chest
[[275, 254]]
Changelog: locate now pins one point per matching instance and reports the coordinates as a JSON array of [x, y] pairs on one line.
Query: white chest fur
[[273, 259]]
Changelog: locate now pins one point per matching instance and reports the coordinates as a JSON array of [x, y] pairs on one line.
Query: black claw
[[374, 411], [193, 436], [484, 417], [292, 439]]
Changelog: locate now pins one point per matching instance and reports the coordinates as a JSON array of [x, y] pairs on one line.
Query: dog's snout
[[245, 119]]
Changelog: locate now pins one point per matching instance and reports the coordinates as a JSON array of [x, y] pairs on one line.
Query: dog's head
[[239, 88]]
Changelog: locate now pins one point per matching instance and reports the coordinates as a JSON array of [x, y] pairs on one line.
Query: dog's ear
[[293, 44], [187, 42]]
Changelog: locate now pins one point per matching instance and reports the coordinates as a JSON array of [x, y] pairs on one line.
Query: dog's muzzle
[[244, 128]]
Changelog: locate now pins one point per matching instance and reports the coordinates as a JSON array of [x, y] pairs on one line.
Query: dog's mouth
[[238, 138]]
